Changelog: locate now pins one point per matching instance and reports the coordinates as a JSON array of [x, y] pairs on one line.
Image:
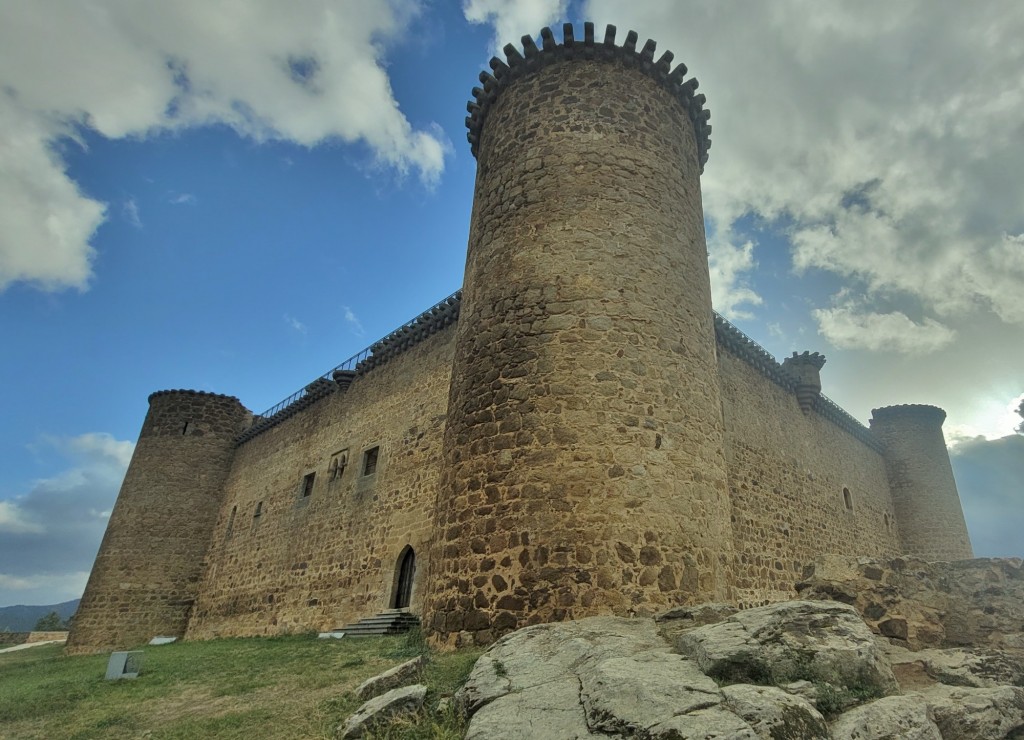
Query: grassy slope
[[285, 687]]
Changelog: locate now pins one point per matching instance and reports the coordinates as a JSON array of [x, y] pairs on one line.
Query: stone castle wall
[[146, 576], [787, 474], [329, 558]]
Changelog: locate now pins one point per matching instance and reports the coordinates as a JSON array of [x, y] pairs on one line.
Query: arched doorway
[[406, 573]]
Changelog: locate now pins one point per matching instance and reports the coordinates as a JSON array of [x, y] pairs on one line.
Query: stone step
[[388, 622]]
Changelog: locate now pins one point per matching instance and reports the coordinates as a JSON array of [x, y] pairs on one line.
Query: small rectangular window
[[257, 514], [370, 460], [307, 485]]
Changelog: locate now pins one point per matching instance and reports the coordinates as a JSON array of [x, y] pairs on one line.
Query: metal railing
[[353, 362]]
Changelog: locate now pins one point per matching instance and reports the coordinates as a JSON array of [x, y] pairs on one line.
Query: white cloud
[[308, 73], [353, 321], [513, 20], [130, 208], [295, 324], [888, 137], [849, 328], [729, 264], [182, 199], [42, 589], [53, 529], [12, 519]]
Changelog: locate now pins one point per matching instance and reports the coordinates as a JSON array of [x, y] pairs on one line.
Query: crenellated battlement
[[533, 58], [920, 411]]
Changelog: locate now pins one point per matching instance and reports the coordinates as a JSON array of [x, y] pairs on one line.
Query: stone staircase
[[388, 622]]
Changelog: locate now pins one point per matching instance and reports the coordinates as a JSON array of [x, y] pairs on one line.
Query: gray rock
[[889, 718], [794, 640], [803, 689], [979, 669], [549, 711], [977, 714], [528, 686], [713, 723], [772, 713], [632, 694], [487, 681], [392, 678], [406, 700], [697, 616]]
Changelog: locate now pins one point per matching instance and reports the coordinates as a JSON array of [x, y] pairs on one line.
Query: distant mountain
[[24, 618]]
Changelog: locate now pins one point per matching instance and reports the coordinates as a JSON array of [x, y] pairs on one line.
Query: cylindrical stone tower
[[924, 495], [149, 564], [586, 470]]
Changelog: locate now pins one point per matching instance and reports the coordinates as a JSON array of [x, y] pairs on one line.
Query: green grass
[[281, 687]]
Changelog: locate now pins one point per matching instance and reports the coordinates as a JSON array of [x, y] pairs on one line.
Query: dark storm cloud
[[990, 476]]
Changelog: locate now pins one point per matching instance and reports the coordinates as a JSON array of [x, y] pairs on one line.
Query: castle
[[576, 432]]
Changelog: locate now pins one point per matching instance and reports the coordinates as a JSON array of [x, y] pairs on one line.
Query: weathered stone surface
[[681, 618], [713, 723], [889, 718], [634, 693], [977, 714], [392, 678], [772, 713], [794, 640], [546, 712], [920, 604], [405, 700], [331, 558], [983, 668]]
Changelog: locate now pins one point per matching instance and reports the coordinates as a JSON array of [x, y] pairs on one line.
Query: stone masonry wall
[[586, 467], [921, 478], [322, 561], [146, 576], [787, 475]]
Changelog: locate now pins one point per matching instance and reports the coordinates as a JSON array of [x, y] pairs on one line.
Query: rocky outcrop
[[805, 669], [798, 640], [918, 604]]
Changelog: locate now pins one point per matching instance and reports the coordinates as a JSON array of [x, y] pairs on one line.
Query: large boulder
[[611, 677], [801, 670], [977, 714], [819, 641], [889, 718]]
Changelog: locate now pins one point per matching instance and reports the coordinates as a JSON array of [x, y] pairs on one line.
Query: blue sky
[[237, 198]]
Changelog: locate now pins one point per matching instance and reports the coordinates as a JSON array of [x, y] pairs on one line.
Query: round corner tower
[[146, 575], [585, 458], [925, 499]]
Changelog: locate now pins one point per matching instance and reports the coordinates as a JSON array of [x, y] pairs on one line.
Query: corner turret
[[925, 499], [147, 571]]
